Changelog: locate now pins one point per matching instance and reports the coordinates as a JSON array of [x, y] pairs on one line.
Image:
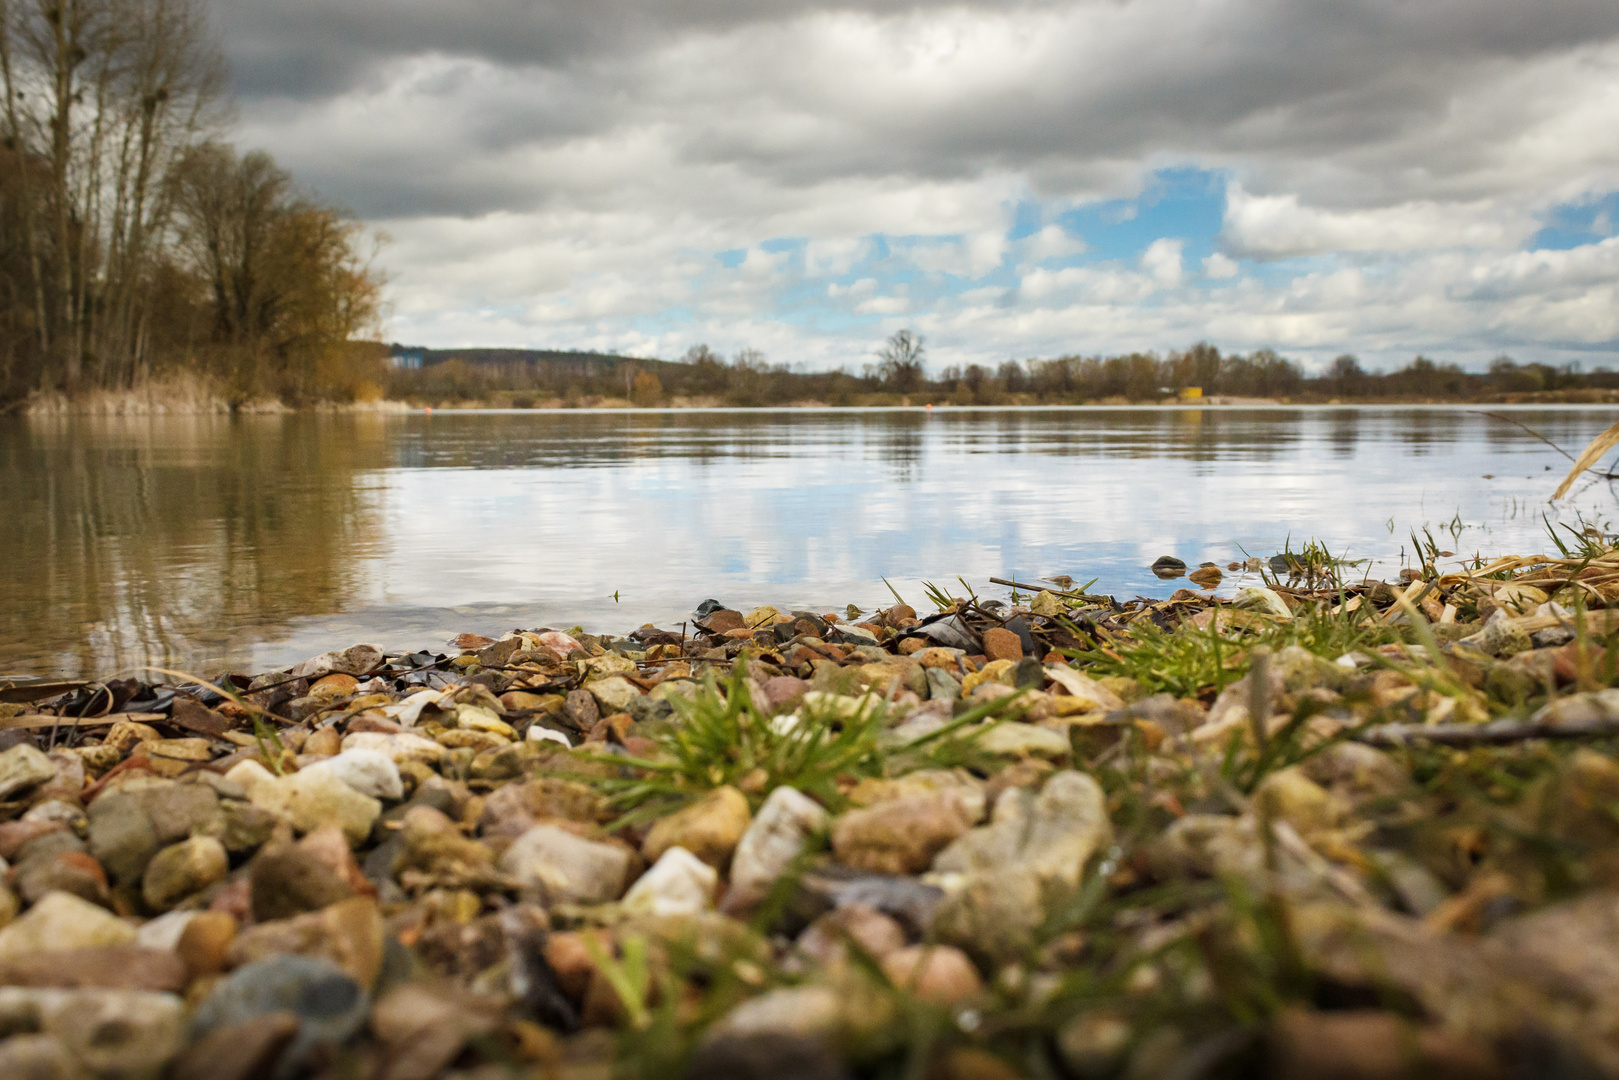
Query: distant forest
[[899, 373]]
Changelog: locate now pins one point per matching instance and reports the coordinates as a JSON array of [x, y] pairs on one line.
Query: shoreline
[[142, 406], [1053, 826]]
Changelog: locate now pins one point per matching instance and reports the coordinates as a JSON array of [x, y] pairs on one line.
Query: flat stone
[[1024, 740], [122, 838], [401, 746], [110, 967], [566, 868], [61, 920]]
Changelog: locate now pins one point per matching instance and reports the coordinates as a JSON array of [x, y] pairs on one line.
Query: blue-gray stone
[[330, 1006]]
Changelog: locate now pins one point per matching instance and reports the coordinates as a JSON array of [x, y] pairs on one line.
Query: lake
[[254, 541]]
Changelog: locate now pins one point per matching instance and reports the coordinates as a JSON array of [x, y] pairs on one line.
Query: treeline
[[900, 373], [135, 242]]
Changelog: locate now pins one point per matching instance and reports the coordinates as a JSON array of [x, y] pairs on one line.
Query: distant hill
[[552, 361]]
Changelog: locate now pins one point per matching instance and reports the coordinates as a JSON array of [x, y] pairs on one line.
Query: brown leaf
[[1589, 457]]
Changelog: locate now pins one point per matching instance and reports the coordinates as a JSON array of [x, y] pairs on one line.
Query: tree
[[647, 390], [106, 95], [1346, 375], [900, 362], [287, 283]]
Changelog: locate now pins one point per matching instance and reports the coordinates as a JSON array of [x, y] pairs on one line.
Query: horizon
[[1043, 179]]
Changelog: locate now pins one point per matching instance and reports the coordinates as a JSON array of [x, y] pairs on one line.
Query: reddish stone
[[1002, 644]]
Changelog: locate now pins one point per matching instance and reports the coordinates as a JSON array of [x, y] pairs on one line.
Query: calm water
[[256, 541]]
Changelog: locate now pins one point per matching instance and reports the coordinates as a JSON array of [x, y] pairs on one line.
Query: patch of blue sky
[[1183, 204], [1578, 223]]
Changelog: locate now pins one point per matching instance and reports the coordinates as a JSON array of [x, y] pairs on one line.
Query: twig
[[1054, 592], [1499, 733], [1525, 427]]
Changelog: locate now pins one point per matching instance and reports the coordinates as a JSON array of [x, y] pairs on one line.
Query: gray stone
[[330, 1006], [246, 826], [1000, 878], [942, 686], [179, 810], [566, 868]]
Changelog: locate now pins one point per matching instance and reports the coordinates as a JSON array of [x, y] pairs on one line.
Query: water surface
[[254, 541]]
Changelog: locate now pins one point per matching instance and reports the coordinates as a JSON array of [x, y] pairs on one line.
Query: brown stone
[[205, 942], [421, 1031], [349, 934], [611, 728], [1002, 644], [579, 709], [723, 621], [709, 828], [111, 967], [245, 1051], [900, 836], [569, 959], [1371, 1045], [828, 938], [289, 880], [326, 742], [336, 682], [939, 974], [14, 834]]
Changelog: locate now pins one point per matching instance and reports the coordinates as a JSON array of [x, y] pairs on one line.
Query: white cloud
[[564, 174], [1279, 225], [1162, 260]]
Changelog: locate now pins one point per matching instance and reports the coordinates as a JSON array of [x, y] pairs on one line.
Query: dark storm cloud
[[1321, 85]]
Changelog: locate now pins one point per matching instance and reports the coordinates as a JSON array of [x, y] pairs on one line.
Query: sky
[[1009, 179]]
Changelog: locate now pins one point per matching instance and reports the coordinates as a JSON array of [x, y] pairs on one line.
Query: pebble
[[182, 869], [938, 974], [777, 835], [61, 920], [709, 828], [118, 1034], [679, 883], [328, 1004], [368, 771], [1002, 644], [313, 800], [565, 868], [23, 767], [288, 879], [900, 836]]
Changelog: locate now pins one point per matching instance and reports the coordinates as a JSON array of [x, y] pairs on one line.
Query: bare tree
[[900, 361], [108, 94]]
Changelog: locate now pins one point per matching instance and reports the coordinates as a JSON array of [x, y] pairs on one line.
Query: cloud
[[565, 174], [1162, 260]]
